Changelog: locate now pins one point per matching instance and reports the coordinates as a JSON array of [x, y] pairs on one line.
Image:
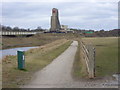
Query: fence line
[[89, 57]]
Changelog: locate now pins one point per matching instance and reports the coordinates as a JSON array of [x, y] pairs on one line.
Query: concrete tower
[[55, 24]]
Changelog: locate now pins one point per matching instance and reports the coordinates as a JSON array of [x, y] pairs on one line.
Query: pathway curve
[[58, 73]]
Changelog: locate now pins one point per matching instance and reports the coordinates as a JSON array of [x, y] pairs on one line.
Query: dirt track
[[58, 74]]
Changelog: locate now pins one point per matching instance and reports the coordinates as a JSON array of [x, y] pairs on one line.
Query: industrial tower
[[55, 24]]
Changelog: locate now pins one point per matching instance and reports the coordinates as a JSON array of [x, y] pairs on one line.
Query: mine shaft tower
[[55, 24]]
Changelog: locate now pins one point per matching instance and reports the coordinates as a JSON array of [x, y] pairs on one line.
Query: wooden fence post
[[91, 59], [89, 54], [94, 61]]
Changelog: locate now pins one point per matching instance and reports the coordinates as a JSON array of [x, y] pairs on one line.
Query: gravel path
[[58, 74]]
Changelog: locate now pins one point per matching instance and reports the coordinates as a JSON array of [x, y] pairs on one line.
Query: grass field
[[36, 40], [106, 57], [106, 54], [36, 59]]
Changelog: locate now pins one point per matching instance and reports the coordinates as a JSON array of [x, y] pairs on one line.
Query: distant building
[[64, 27], [55, 24]]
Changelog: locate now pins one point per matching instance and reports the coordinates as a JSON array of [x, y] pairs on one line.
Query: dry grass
[[106, 54], [36, 59], [36, 40], [79, 66], [106, 57]]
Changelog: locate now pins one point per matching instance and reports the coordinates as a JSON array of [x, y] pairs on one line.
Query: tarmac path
[[58, 73]]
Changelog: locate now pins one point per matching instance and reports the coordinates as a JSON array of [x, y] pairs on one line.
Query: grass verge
[[106, 55], [36, 59], [79, 67]]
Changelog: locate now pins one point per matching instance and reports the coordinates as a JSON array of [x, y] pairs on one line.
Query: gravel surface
[[58, 74]]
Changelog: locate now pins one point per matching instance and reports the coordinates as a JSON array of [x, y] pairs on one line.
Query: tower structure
[[55, 24]]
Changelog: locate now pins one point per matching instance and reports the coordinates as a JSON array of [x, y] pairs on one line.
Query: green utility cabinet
[[21, 59]]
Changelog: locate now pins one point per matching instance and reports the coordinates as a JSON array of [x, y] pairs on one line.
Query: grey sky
[[83, 15]]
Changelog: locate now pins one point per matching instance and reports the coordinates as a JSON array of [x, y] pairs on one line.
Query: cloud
[[87, 15], [61, 1]]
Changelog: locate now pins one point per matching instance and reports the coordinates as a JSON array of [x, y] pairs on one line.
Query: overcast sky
[[87, 14]]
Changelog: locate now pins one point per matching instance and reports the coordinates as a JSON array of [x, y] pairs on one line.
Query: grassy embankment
[[36, 59], [22, 41], [106, 56], [79, 66]]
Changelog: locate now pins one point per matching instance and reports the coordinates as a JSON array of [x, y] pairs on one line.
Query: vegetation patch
[[36, 59], [106, 60], [79, 67], [106, 55], [36, 40]]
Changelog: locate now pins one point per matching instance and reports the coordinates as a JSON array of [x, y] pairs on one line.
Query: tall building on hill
[[55, 24]]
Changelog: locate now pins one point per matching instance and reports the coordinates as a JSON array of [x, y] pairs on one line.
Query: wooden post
[[94, 60], [91, 61], [89, 57]]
